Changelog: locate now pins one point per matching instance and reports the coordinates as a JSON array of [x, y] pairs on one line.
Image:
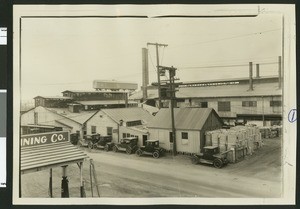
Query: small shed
[[190, 125], [49, 150]]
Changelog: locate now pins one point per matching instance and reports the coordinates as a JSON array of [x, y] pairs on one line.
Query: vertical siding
[[47, 117], [101, 124], [124, 129], [193, 142], [161, 135], [192, 146]]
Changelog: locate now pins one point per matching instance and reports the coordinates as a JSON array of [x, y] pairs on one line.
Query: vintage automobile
[[101, 142], [151, 148], [129, 145], [85, 142], [211, 155]]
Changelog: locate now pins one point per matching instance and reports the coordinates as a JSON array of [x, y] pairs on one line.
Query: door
[[145, 138], [171, 140]]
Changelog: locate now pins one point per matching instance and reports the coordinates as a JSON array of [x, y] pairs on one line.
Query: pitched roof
[[185, 118], [80, 117], [39, 157], [128, 114]]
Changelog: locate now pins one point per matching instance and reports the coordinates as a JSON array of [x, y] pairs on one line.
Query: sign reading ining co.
[[44, 138]]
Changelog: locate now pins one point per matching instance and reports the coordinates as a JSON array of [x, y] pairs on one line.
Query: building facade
[[190, 125]]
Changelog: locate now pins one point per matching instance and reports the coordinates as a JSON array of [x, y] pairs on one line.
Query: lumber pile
[[241, 140]]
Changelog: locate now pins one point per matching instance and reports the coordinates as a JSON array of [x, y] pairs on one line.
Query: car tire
[[155, 154], [90, 145], [195, 160], [115, 149], [106, 148], [218, 163], [139, 152], [128, 150]]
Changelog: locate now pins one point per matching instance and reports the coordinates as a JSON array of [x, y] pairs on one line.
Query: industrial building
[[191, 125], [233, 99], [62, 118], [120, 123]]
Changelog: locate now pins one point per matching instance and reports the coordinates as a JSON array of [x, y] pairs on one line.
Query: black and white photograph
[[154, 104]]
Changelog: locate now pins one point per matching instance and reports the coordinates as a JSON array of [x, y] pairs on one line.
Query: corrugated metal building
[[190, 124], [231, 98]]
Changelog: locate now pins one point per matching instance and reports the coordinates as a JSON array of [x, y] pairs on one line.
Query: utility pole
[[157, 66], [172, 90]]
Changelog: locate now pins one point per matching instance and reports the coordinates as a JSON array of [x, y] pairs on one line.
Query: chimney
[[250, 76], [257, 71], [145, 72], [279, 72]]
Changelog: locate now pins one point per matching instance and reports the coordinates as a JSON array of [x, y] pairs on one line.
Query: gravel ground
[[122, 175]]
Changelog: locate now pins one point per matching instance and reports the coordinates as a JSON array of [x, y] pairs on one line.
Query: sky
[[60, 54]]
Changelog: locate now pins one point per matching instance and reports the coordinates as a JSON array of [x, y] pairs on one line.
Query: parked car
[[151, 148], [129, 145], [211, 155]]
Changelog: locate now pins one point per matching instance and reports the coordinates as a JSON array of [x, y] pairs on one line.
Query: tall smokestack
[[145, 72], [257, 70], [250, 76], [279, 72]]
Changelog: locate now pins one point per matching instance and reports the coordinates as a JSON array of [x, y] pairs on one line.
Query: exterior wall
[[192, 145], [124, 129], [102, 121], [212, 123], [47, 117], [263, 104]]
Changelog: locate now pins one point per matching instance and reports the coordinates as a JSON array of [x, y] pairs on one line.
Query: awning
[[47, 150]]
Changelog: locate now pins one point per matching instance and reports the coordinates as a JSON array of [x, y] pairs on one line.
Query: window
[[184, 135], [109, 131], [36, 118], [134, 123], [171, 137], [275, 103], [223, 106], [203, 104], [249, 104], [93, 128], [184, 138], [124, 135]]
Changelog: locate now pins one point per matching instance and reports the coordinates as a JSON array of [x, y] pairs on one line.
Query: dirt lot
[[122, 175]]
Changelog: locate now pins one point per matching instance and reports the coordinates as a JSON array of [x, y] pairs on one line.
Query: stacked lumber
[[243, 140]]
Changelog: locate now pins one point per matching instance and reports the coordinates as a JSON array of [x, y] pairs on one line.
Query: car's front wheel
[[218, 163]]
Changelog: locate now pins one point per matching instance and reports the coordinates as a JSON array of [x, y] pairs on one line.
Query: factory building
[[233, 99]]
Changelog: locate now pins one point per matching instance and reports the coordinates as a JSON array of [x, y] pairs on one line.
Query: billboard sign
[[44, 138]]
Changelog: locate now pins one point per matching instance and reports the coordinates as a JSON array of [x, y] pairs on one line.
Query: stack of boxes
[[236, 142]]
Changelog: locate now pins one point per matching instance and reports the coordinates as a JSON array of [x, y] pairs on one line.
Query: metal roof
[[128, 114], [80, 117], [54, 97], [237, 90], [104, 102], [185, 118], [36, 158]]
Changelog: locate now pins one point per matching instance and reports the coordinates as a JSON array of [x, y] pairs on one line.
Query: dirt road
[[122, 175]]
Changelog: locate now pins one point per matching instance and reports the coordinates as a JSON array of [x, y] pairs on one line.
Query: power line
[[228, 38], [224, 66]]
